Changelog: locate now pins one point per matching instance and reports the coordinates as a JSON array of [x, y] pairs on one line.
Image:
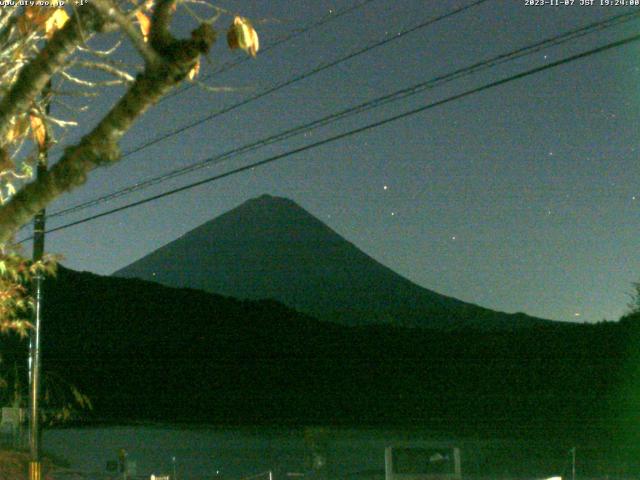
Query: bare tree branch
[[159, 36], [93, 84], [109, 10], [101, 53], [100, 146], [35, 75], [107, 68]]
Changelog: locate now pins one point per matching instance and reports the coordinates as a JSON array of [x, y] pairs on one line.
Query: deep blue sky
[[522, 198]]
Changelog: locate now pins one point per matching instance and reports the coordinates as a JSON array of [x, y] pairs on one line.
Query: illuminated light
[[577, 314]]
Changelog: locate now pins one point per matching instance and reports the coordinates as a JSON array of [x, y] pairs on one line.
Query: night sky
[[525, 197]]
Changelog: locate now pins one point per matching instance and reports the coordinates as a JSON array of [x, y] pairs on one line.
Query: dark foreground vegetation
[[147, 352]]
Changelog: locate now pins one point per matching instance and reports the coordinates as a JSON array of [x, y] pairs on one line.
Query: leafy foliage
[[61, 401], [47, 56], [16, 274]]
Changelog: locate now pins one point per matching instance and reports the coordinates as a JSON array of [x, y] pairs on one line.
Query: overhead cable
[[353, 132]]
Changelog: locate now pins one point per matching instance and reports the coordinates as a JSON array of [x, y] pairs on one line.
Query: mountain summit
[[270, 247]]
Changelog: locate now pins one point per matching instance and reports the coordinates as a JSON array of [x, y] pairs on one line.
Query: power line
[[296, 33], [268, 91], [301, 77], [382, 100], [306, 75], [356, 131]]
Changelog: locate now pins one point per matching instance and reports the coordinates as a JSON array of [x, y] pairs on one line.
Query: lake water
[[214, 453], [226, 453]]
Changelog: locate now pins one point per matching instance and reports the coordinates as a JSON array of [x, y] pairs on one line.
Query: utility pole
[[35, 466], [573, 463]]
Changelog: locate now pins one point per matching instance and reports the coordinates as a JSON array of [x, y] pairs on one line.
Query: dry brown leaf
[[242, 35], [5, 161], [18, 55], [55, 22], [33, 18], [38, 130], [193, 73], [145, 24], [51, 18], [17, 130]]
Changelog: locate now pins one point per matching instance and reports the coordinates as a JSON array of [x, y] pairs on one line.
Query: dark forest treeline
[[147, 352]]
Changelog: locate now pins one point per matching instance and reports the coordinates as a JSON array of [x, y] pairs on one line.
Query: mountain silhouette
[[271, 248]]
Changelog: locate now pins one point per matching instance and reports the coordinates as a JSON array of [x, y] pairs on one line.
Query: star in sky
[[464, 155]]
